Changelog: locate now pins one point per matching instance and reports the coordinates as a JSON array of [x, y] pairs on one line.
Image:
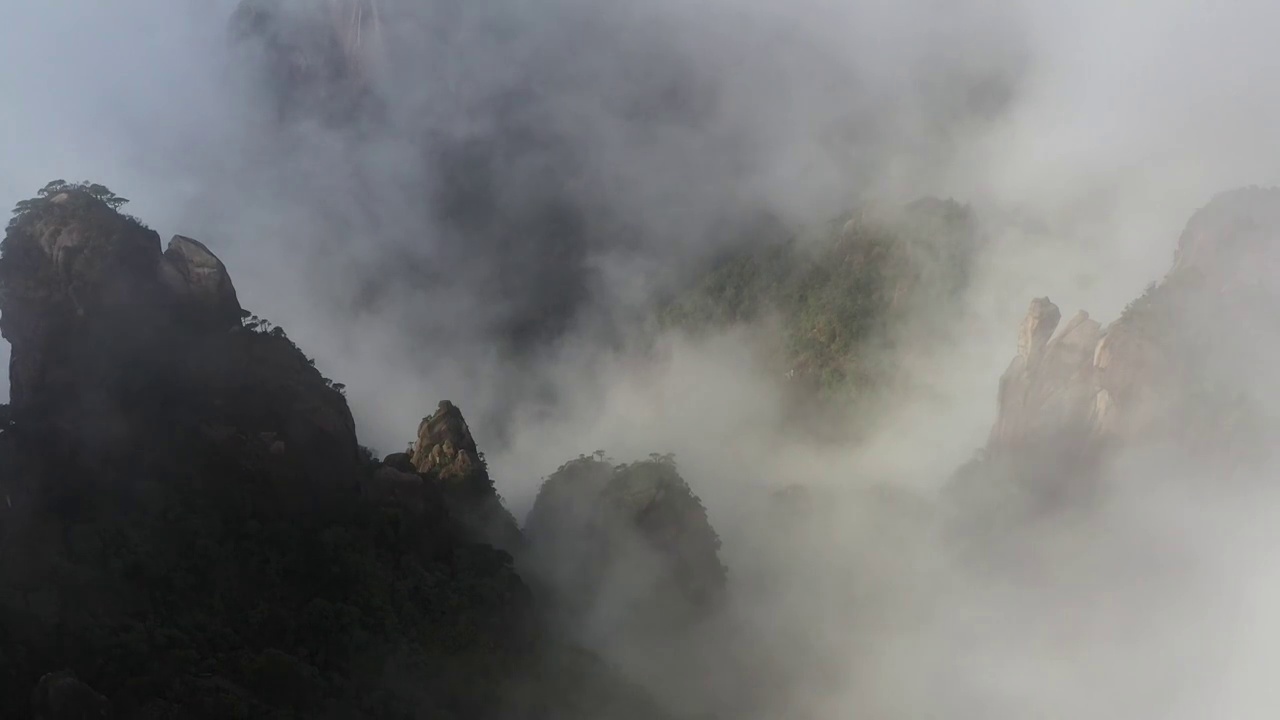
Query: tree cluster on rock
[[630, 541]]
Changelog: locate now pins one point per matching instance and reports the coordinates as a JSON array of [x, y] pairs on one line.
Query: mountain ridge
[[192, 530]]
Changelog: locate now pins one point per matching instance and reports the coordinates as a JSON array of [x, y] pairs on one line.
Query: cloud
[[536, 170], [541, 170], [617, 143]]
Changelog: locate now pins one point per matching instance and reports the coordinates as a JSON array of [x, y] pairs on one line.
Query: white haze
[[1123, 118]]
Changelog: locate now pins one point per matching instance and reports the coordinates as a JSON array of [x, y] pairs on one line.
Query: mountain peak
[[446, 455], [107, 333], [444, 446], [1171, 367]]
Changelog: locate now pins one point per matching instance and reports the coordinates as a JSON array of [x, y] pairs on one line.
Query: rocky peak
[[1037, 327], [172, 471], [107, 333], [444, 447], [1166, 368], [1049, 383], [200, 283], [445, 454], [82, 284]]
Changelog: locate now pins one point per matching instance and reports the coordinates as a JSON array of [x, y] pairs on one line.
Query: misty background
[[542, 172], [613, 147]]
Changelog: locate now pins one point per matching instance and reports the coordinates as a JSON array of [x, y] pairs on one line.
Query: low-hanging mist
[[525, 186]]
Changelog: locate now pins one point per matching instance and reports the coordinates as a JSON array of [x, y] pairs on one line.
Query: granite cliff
[[1180, 368]]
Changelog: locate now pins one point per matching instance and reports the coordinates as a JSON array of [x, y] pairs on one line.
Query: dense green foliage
[[202, 587], [74, 193], [592, 517], [844, 297], [197, 567]]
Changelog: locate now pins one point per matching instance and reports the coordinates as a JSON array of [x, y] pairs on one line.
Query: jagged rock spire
[[1175, 364], [445, 447], [445, 454]]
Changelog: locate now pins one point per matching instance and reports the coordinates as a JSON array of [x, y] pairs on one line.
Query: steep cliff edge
[[1185, 364], [107, 330]]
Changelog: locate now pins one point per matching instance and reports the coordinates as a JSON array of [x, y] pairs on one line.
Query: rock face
[[1175, 365], [445, 448], [76, 271], [200, 283], [1232, 240], [1050, 384], [72, 263], [446, 456], [104, 327]]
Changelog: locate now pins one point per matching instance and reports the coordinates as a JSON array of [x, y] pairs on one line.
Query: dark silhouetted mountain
[[189, 528], [635, 537]]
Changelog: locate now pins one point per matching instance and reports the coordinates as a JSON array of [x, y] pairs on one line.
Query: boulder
[[400, 461], [200, 283]]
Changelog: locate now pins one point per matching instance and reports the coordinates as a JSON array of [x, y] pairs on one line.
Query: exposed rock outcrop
[[71, 264], [446, 456], [1177, 365], [104, 327], [1050, 384], [445, 448], [200, 283]]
